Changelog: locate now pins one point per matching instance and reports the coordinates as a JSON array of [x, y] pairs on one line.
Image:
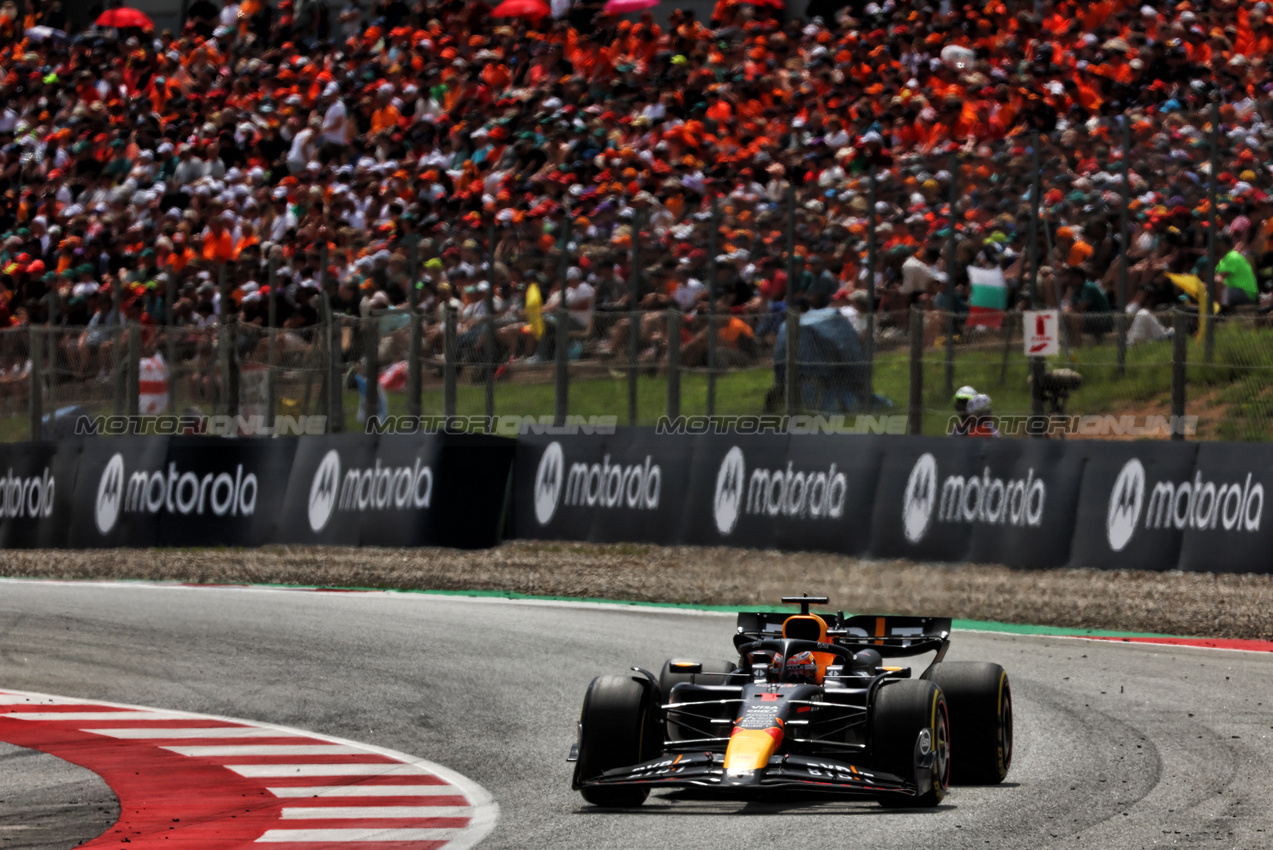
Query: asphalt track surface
[[1118, 745]]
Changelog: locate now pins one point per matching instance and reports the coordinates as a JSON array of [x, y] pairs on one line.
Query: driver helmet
[[964, 395], [801, 667], [979, 405]]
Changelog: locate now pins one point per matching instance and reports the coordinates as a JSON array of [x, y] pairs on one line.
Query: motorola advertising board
[[1021, 507], [322, 500], [187, 491], [36, 483], [1126, 515], [626, 486], [810, 492], [1221, 509], [398, 490], [923, 507]]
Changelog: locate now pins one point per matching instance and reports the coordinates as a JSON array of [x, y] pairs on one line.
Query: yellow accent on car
[[750, 749]]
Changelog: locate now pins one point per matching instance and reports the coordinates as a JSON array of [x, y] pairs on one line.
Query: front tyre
[[618, 726], [910, 738], [980, 700]]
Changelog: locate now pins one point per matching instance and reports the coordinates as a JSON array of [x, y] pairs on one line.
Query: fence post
[[490, 348], [1124, 239], [51, 323], [332, 365], [1209, 332], [119, 377], [712, 295], [673, 363], [1179, 353], [562, 361], [791, 371], [915, 407], [870, 278], [271, 376], [170, 351], [134, 370], [634, 318], [561, 333], [449, 366], [1036, 189], [791, 241], [950, 274], [229, 362], [371, 364], [415, 350], [36, 352]]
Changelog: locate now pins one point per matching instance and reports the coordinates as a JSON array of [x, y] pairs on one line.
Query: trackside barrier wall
[[1025, 503], [425, 490]]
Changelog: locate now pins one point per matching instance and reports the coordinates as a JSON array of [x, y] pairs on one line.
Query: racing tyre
[[980, 700], [619, 726], [910, 735]]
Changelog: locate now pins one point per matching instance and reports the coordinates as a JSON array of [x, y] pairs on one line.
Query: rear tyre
[[911, 724], [714, 673], [619, 726], [980, 699]]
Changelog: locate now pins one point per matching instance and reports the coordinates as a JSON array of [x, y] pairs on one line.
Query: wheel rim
[[941, 749], [1005, 729]]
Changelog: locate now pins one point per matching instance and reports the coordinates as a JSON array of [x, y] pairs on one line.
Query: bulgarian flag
[[988, 298]]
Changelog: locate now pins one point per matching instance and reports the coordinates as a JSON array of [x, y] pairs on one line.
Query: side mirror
[[685, 667]]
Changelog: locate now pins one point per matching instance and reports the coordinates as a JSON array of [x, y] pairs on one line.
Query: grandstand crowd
[[142, 171]]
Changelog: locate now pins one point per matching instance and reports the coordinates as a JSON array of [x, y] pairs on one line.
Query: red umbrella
[[521, 9], [124, 17], [622, 7]]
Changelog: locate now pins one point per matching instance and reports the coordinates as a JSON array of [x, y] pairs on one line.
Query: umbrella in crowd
[[42, 34], [125, 18], [521, 9], [623, 7]]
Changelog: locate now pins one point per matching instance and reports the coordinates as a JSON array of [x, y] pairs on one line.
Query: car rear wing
[[892, 636]]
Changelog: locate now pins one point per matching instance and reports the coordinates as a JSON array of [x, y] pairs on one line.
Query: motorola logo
[[729, 491], [110, 493], [323, 491], [548, 480], [1125, 503], [920, 498], [373, 488]]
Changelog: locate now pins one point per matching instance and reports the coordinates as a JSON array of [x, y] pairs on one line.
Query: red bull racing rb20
[[812, 703]]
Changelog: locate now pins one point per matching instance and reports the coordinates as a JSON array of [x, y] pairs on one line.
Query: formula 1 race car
[[810, 704]]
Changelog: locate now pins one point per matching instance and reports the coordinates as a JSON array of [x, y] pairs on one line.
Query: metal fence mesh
[[504, 368]]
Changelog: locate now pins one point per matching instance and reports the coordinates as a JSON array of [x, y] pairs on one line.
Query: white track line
[[195, 732], [290, 835], [306, 791], [95, 716], [342, 812], [232, 750], [253, 771]]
